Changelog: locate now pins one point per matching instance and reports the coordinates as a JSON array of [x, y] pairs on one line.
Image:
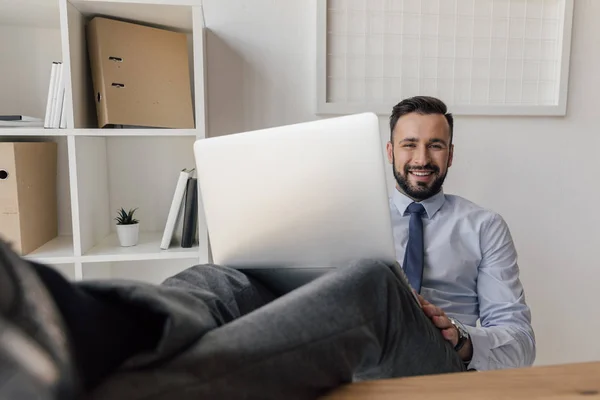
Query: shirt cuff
[[481, 348]]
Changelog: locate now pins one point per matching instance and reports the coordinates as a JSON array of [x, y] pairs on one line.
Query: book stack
[[183, 212], [55, 105]]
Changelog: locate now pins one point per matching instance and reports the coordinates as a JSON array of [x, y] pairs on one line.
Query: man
[[211, 331], [470, 266]]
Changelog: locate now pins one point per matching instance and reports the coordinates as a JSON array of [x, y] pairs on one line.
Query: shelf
[[98, 132], [128, 172], [148, 248], [101, 170], [57, 251], [134, 132], [32, 132], [175, 15]]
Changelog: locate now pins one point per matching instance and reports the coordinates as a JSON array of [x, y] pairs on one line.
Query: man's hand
[[449, 331]]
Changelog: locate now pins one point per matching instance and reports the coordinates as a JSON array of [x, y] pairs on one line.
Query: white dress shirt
[[471, 272]]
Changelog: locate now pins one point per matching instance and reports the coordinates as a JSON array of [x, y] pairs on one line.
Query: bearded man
[[212, 331]]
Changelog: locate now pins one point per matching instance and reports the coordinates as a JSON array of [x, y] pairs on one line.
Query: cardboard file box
[[140, 75], [28, 198]]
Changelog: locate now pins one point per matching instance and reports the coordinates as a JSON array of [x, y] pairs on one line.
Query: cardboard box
[[140, 75], [28, 197]]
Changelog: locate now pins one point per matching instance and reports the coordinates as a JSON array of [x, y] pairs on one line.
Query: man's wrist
[[464, 346], [466, 352]]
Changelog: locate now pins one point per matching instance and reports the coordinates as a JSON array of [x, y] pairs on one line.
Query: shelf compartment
[[148, 248], [30, 43], [176, 17], [57, 251], [127, 172]]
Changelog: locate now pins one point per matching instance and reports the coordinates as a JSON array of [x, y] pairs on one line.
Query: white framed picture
[[481, 57]]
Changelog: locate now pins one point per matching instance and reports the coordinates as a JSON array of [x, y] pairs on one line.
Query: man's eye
[[437, 146], [408, 145]]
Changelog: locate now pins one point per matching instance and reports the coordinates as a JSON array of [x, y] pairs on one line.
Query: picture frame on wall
[[481, 57]]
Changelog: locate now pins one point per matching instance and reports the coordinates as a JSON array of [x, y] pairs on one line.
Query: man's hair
[[424, 105]]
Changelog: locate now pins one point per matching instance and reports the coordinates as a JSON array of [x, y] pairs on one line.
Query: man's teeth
[[418, 173]]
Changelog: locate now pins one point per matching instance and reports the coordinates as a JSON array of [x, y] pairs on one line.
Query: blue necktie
[[413, 256]]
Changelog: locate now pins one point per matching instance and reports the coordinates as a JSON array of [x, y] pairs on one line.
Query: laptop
[[290, 203]]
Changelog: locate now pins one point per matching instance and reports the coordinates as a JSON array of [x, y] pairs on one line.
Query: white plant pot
[[128, 234]]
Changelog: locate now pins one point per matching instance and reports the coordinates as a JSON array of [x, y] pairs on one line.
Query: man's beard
[[421, 191]]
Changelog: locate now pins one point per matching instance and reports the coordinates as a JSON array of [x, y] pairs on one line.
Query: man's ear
[[389, 148], [451, 155]]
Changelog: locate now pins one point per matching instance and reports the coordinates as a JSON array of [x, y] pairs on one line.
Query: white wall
[[26, 77], [539, 173]]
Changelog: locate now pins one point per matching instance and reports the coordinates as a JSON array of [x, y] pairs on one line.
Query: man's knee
[[363, 277], [369, 269], [376, 277]]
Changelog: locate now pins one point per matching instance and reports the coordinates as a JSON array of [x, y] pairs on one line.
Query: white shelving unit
[[101, 170]]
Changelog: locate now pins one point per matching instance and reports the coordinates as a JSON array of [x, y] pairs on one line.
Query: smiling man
[[211, 331], [459, 256]]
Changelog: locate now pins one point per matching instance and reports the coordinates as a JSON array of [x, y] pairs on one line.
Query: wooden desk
[[569, 381]]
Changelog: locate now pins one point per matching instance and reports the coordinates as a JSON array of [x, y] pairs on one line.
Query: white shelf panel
[[32, 132], [57, 251], [170, 14], [98, 132], [145, 2], [148, 248], [134, 132]]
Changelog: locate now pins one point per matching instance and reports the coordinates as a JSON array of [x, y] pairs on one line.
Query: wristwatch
[[463, 334]]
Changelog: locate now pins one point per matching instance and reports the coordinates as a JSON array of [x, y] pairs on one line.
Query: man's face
[[421, 154]]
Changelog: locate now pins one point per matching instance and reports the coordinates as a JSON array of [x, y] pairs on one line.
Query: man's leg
[[36, 359], [355, 323], [229, 293], [93, 327]]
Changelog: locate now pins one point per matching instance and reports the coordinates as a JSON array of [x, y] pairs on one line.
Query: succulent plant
[[126, 218]]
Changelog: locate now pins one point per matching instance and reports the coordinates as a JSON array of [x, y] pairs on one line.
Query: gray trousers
[[229, 337]]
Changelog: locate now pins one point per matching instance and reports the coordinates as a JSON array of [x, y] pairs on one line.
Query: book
[[55, 105], [190, 216], [51, 89], [63, 114], [59, 95], [175, 209]]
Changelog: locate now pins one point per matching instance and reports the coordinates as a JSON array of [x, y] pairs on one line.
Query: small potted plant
[[128, 228]]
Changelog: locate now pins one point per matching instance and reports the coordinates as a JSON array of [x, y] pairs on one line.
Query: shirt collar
[[431, 205]]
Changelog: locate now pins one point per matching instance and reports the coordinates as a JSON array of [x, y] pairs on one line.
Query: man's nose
[[421, 155]]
